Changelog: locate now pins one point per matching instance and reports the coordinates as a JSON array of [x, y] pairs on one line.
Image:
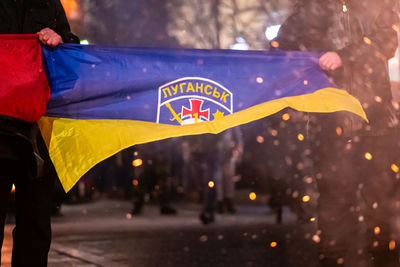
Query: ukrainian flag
[[105, 99]]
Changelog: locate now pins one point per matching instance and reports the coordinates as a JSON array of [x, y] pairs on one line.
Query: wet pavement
[[103, 234]]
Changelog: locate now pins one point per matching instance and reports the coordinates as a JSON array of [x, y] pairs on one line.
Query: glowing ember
[[367, 40], [392, 245], [339, 131], [316, 238], [306, 199], [275, 44], [368, 156], [137, 162], [308, 180], [395, 168], [274, 132], [259, 80], [378, 99], [286, 117], [377, 230]]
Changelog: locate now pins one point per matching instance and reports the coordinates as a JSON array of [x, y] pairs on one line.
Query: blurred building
[[176, 23], [220, 23]]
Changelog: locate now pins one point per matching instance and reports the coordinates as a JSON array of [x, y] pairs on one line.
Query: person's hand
[[330, 61], [49, 37]]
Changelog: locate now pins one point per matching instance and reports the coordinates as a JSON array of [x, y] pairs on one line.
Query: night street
[[193, 133], [101, 234]]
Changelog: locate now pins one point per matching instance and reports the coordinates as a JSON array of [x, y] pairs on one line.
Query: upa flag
[[105, 99]]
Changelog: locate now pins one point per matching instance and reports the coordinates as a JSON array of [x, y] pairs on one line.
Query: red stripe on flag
[[24, 90]]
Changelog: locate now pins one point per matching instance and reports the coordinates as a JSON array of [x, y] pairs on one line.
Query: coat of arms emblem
[[192, 100]]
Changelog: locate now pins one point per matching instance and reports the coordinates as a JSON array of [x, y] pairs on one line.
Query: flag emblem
[[192, 100]]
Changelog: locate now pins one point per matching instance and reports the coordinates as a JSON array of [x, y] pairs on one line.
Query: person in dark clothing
[[24, 160], [153, 177], [352, 158], [213, 158], [231, 149]]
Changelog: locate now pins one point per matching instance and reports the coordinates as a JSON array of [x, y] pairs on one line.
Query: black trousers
[[358, 191], [33, 197]]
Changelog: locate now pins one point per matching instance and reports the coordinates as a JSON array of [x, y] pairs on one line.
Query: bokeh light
[[260, 139], [275, 44], [377, 230], [259, 80], [392, 245], [137, 162], [367, 40], [395, 168], [286, 117], [339, 131], [368, 156]]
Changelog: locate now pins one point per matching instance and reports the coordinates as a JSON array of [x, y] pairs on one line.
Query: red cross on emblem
[[195, 108]]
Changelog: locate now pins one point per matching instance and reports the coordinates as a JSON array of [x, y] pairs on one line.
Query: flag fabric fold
[[105, 99], [24, 90]]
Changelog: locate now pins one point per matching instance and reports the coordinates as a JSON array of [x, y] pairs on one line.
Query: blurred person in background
[[217, 155], [152, 178], [231, 149], [206, 153], [24, 160], [355, 39]]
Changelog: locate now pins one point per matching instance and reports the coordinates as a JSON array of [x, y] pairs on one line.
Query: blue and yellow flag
[[105, 99]]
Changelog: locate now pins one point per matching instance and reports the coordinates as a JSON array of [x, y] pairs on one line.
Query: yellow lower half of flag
[[75, 146]]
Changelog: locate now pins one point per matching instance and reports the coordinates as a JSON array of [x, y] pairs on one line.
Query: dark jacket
[[364, 34], [18, 138], [31, 16]]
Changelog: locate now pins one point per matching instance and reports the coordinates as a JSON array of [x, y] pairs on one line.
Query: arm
[[381, 42], [305, 28]]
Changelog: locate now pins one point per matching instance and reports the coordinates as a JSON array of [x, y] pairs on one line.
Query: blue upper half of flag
[[172, 86]]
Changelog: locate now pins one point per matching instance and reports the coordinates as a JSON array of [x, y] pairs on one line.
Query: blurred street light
[[240, 44], [272, 31]]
